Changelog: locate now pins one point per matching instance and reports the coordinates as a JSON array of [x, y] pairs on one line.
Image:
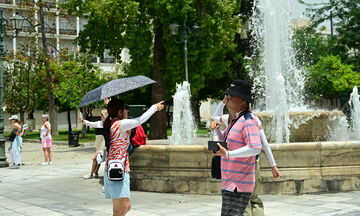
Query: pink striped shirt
[[239, 173]]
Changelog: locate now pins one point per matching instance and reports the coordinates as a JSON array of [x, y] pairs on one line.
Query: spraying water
[[354, 103], [183, 127], [278, 83]]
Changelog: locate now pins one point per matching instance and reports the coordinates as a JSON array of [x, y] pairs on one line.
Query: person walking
[[117, 127], [255, 206], [99, 143], [16, 142], [243, 144], [46, 140]]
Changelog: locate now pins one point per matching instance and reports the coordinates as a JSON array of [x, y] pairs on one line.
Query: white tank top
[[43, 131]]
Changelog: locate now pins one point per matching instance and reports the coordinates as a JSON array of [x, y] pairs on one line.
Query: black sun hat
[[240, 89]]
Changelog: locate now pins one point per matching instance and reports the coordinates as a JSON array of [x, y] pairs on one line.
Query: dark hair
[[113, 108]]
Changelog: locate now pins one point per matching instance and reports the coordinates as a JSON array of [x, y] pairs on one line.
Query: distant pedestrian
[[46, 139], [99, 142], [117, 127], [16, 142]]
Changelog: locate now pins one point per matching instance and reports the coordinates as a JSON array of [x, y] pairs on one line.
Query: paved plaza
[[60, 189]]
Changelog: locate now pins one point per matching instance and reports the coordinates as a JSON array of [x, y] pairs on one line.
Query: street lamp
[[16, 24], [185, 32]]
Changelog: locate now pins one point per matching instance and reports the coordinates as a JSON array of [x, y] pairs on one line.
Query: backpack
[[139, 137]]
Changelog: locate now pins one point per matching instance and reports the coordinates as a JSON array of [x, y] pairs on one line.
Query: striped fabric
[[119, 143], [239, 173]]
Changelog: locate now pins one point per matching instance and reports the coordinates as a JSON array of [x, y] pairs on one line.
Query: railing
[[50, 4], [25, 2], [6, 1], [107, 60], [27, 29], [50, 30], [67, 31]]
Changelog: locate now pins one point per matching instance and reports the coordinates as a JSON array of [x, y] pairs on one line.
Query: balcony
[[50, 4], [107, 60], [27, 29], [6, 1], [50, 30], [26, 2]]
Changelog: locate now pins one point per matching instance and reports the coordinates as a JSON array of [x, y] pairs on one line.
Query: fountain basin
[[306, 126], [305, 167]]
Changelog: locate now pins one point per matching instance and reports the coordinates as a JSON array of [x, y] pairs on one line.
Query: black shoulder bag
[[216, 160]]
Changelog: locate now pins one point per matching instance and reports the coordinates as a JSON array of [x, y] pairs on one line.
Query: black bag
[[216, 167], [12, 135]]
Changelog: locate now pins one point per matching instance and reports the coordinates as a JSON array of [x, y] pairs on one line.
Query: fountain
[[183, 126], [308, 163], [354, 103]]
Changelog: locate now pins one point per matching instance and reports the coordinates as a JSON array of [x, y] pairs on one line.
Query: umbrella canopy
[[115, 87]]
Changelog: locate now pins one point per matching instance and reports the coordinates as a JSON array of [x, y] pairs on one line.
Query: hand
[[160, 105], [221, 152], [107, 100], [213, 125], [275, 172]]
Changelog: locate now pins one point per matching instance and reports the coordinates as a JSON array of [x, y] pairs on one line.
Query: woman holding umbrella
[[118, 127]]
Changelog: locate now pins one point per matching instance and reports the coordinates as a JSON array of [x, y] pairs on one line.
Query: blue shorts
[[117, 189]]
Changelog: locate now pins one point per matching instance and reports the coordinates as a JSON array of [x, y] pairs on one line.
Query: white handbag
[[101, 157], [116, 170]]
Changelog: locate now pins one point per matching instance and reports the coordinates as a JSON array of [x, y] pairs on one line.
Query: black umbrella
[[115, 87]]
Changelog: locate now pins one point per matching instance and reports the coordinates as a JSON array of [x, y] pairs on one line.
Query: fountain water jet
[[279, 83], [354, 103], [183, 126]]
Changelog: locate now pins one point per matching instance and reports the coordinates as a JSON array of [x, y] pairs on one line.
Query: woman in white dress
[[16, 142]]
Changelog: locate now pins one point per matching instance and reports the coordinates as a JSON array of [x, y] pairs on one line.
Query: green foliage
[[114, 25], [73, 77], [24, 85], [345, 15], [329, 78]]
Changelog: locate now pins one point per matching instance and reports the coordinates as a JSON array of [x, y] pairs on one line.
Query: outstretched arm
[[127, 124], [97, 124]]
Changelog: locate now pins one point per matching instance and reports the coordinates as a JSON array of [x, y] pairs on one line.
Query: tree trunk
[[31, 121], [52, 108], [22, 117], [158, 120]]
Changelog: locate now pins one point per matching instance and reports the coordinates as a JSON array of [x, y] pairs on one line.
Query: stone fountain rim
[[323, 145]]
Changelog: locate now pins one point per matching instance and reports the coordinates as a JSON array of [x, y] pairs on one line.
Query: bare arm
[[48, 127]]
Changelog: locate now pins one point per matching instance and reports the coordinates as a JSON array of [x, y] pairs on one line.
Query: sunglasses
[[228, 97]]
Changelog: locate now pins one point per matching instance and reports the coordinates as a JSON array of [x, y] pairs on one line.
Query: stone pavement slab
[[60, 189]]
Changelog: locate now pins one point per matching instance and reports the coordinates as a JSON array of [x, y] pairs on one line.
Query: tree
[[73, 77], [309, 46], [23, 82], [329, 78], [346, 15], [40, 8], [143, 27]]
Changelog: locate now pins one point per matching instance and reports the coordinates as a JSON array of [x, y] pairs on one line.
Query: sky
[[298, 9]]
